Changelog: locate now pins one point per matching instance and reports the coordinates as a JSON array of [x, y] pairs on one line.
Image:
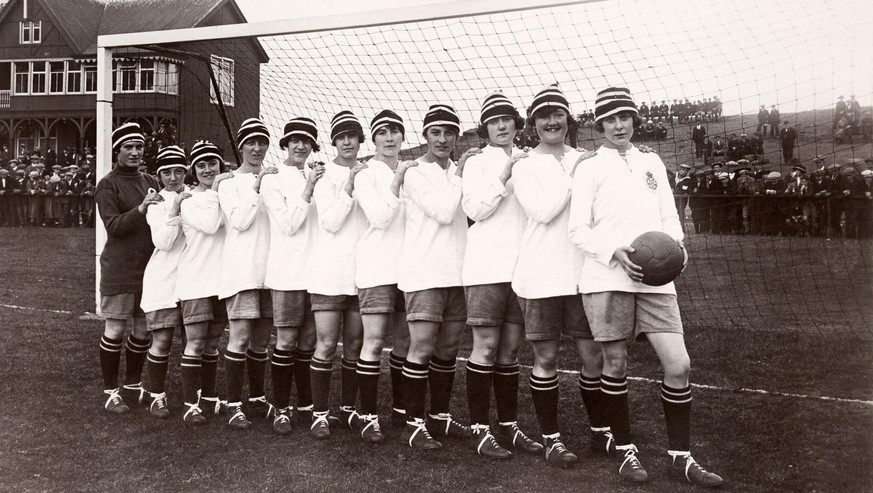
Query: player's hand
[[177, 203], [354, 170], [585, 155], [634, 271], [684, 255], [316, 173], [151, 198], [220, 178], [268, 170], [404, 166], [467, 154], [645, 148]]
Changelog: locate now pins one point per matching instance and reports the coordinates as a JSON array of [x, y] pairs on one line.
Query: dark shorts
[[492, 305], [340, 302], [617, 315], [165, 318], [291, 308], [204, 310], [121, 306], [548, 318], [436, 305], [250, 304], [381, 299]]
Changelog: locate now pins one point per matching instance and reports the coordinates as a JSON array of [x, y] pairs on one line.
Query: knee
[[195, 346], [615, 364], [678, 369], [547, 363], [485, 348]]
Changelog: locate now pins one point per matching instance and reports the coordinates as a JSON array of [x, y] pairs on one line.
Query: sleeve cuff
[[249, 195], [392, 200], [498, 187], [175, 221]]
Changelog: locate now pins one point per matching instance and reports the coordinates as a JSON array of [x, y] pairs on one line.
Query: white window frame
[[15, 78], [71, 72], [142, 71], [43, 74], [127, 69], [224, 75], [30, 32], [51, 77]]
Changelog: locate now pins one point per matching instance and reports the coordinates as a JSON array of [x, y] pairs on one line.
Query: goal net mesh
[[795, 264]]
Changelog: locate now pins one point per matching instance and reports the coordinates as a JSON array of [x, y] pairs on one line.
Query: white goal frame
[[354, 20]]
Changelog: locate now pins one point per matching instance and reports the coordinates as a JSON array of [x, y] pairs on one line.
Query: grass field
[[784, 438], [780, 332]]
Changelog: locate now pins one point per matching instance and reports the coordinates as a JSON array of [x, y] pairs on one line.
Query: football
[[659, 255]]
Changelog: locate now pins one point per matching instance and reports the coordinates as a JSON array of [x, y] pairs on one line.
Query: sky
[[797, 54]]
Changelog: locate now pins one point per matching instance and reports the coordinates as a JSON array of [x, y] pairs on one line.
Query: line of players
[[323, 251]]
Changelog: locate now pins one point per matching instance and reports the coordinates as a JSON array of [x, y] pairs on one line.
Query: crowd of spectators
[[744, 197], [36, 193], [850, 122]]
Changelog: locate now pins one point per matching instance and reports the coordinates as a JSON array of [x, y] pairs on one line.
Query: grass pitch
[[777, 435]]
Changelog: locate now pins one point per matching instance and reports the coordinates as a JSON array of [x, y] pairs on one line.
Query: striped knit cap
[[301, 127], [129, 132], [550, 97], [344, 122], [385, 118], [250, 128], [495, 106], [612, 101], [204, 150], [171, 157], [442, 114]]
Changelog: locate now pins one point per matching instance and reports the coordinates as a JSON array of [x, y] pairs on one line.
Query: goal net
[[792, 261]]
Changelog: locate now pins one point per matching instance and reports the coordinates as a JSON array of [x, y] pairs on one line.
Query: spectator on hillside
[[700, 205], [774, 121], [763, 118], [840, 111], [698, 133], [787, 138]]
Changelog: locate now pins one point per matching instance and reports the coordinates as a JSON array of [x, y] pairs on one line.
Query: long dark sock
[[414, 388], [442, 378], [368, 385], [234, 372], [208, 375], [256, 365], [615, 407], [592, 398], [321, 370], [282, 373], [677, 412], [479, 392], [157, 372], [506, 392], [544, 393], [302, 363], [192, 370], [110, 360], [135, 354], [349, 379], [395, 365]]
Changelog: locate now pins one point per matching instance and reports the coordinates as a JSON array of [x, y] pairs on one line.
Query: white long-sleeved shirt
[[548, 263], [159, 278], [292, 229], [247, 240], [199, 272], [494, 240], [436, 228], [380, 245], [340, 224], [614, 202]]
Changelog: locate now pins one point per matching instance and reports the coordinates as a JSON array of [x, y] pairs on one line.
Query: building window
[[223, 69], [38, 85], [167, 78], [127, 74], [56, 77], [74, 77], [146, 76], [22, 78], [30, 32], [91, 77]]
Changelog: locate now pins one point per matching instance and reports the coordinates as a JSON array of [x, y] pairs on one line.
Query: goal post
[[792, 262]]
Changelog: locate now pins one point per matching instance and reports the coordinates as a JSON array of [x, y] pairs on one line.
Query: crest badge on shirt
[[650, 181]]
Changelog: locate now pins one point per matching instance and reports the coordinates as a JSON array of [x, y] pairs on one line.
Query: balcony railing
[[5, 99]]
